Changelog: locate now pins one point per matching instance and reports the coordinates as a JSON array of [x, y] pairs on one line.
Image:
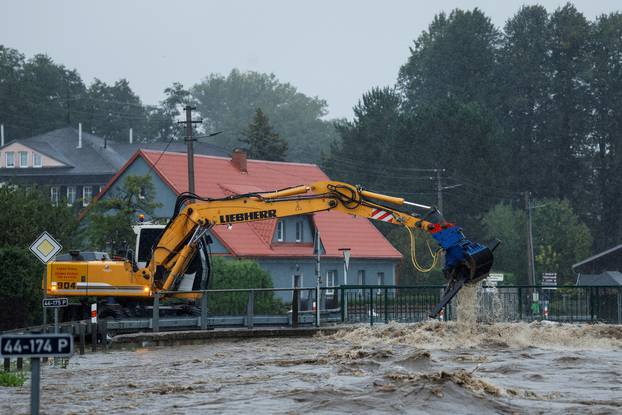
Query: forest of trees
[[533, 108], [38, 95]]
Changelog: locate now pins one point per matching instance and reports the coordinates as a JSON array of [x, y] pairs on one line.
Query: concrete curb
[[217, 334]]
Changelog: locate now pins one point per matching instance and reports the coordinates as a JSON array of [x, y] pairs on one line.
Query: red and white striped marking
[[382, 215]]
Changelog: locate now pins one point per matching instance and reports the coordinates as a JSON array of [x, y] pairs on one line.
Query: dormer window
[[9, 159], [23, 159], [36, 160], [280, 231]]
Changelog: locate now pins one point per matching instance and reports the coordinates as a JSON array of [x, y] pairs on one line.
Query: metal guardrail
[[247, 308], [382, 304], [357, 304]]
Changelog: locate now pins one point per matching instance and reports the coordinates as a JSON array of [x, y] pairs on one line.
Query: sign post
[[346, 264], [55, 303], [44, 248], [36, 346]]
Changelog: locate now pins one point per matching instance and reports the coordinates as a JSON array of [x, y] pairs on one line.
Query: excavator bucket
[[474, 265]]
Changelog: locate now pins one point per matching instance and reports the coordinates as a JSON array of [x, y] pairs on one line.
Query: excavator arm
[[465, 261]]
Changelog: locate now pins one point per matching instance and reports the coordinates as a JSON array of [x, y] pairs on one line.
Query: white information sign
[[494, 277], [45, 247]]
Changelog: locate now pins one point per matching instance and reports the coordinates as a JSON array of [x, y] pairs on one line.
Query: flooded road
[[430, 367]]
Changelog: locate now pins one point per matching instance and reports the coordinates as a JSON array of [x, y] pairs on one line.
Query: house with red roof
[[284, 247]]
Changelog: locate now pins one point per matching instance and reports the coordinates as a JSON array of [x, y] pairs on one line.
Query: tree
[[523, 77], [263, 143], [561, 239], [111, 218], [508, 224], [568, 107], [231, 273], [114, 109], [228, 103], [37, 95], [26, 213], [606, 82], [20, 287], [367, 151], [161, 122], [454, 58]]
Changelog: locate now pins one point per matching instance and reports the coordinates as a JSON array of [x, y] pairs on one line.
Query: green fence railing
[[375, 304]]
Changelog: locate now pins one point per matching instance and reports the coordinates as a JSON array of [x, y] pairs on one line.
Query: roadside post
[[346, 264], [36, 346], [45, 247], [55, 303], [94, 327]]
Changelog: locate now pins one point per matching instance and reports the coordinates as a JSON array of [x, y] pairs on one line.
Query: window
[[380, 280], [331, 280], [87, 195], [23, 159], [280, 231], [36, 160], [10, 159], [299, 231], [361, 277], [71, 195], [54, 195]]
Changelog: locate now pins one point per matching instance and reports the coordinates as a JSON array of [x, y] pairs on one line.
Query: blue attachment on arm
[[451, 240], [456, 246]]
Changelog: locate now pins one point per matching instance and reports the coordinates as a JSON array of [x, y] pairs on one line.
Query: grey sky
[[336, 50]]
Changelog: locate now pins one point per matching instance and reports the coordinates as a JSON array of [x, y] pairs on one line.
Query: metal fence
[[493, 304], [383, 304], [361, 304]]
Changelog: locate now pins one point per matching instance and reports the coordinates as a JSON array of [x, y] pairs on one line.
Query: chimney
[[131, 136], [1, 135], [79, 135], [238, 159]]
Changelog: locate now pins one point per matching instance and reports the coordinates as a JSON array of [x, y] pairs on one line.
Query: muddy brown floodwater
[[430, 367]]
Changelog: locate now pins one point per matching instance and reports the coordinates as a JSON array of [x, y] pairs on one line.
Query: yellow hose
[[413, 253]]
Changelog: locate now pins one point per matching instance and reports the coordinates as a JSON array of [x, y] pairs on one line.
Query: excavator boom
[[465, 261]]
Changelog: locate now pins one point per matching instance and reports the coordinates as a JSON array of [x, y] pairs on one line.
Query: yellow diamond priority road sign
[[45, 247]]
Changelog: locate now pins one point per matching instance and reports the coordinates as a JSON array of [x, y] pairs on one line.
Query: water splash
[[435, 335]]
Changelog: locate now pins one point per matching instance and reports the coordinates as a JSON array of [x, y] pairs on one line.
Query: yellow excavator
[[173, 249]]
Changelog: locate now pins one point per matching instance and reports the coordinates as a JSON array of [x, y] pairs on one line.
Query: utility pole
[[531, 269], [190, 146], [318, 276]]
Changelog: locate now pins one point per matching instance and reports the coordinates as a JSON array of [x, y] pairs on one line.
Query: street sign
[[496, 277], [45, 247], [36, 345], [549, 281], [346, 257], [55, 302]]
